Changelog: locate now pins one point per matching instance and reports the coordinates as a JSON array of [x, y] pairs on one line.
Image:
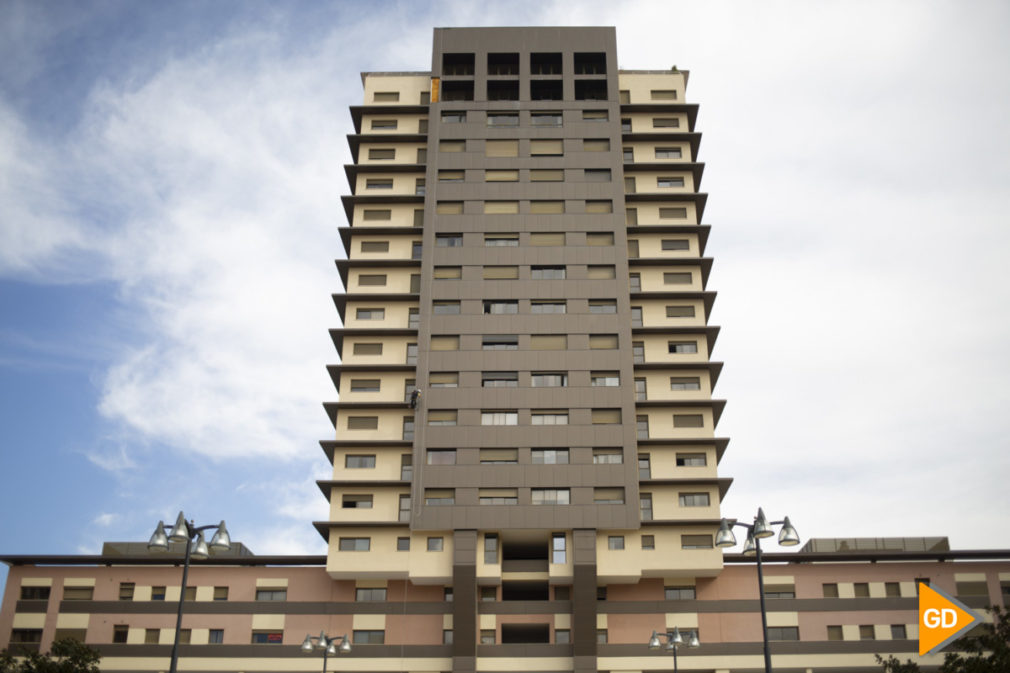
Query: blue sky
[[170, 176]]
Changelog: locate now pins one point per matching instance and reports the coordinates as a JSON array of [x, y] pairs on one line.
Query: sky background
[[170, 181]]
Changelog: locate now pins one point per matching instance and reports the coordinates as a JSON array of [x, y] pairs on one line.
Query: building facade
[[525, 463]]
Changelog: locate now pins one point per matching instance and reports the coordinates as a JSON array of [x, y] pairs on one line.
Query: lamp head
[[788, 537], [345, 644], [199, 550], [180, 531], [693, 640], [725, 536], [676, 638], [750, 546], [158, 541], [331, 649], [654, 641], [307, 645], [761, 527], [221, 540]]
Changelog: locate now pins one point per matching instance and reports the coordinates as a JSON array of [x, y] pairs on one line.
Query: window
[[691, 460], [648, 543], [603, 341], [438, 343], [607, 457], [835, 633], [499, 418], [447, 594], [694, 500], [830, 590], [594, 175], [601, 634], [679, 593], [898, 632], [677, 278], [682, 346], [501, 207], [547, 175], [548, 342], [546, 148], [356, 501], [501, 272], [636, 316], [381, 153], [645, 506], [215, 636], [434, 544], [386, 96], [680, 311], [489, 593], [369, 594], [449, 208], [501, 176], [78, 593], [354, 544], [599, 239], [364, 385], [501, 306], [22, 636], [672, 213], [372, 279], [595, 116], [445, 307], [779, 591], [491, 548], [152, 636], [403, 544], [369, 637], [549, 456], [635, 282], [599, 207], [603, 306], [190, 594], [600, 271], [450, 176], [157, 593], [447, 636], [665, 123], [422, 157], [608, 496], [503, 119], [120, 633], [451, 146], [442, 417], [454, 117], [548, 417], [404, 509], [979, 588], [498, 496], [500, 342], [42, 593], [370, 314], [499, 379], [501, 240], [499, 456], [276, 594], [487, 636], [548, 306], [220, 593], [641, 392], [441, 456], [666, 182], [615, 542], [547, 239], [861, 589], [545, 119], [663, 94], [550, 496], [549, 379], [866, 632], [685, 383], [605, 379], [413, 317], [918, 581], [501, 148], [362, 422], [783, 633], [688, 421], [596, 145], [547, 207], [439, 497], [361, 348], [892, 589], [696, 542], [605, 416], [668, 153], [447, 273], [625, 125], [378, 183], [644, 466], [558, 549]]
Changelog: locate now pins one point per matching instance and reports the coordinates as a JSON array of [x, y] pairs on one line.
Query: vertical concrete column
[[464, 601], [584, 600]]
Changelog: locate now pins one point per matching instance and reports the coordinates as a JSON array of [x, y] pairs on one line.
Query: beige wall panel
[[562, 621], [877, 590], [272, 582], [783, 619], [447, 621], [369, 622], [654, 312], [850, 631], [410, 87], [390, 425], [397, 280], [682, 620], [652, 278], [969, 577], [394, 351], [263, 622], [907, 589], [406, 153], [425, 567], [648, 211], [70, 620], [487, 622], [640, 85], [651, 245], [79, 581], [666, 503], [385, 503], [400, 246], [199, 636], [657, 385], [641, 122], [36, 581], [846, 590], [34, 620], [387, 463], [396, 314], [601, 620], [406, 123], [203, 593], [172, 594], [661, 422], [657, 348], [648, 181], [142, 593], [524, 664], [392, 386], [401, 215], [668, 559]]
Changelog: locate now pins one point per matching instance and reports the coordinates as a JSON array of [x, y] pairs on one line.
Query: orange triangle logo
[[942, 619]]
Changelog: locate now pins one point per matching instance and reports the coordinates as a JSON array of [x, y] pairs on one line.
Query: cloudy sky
[[170, 181]]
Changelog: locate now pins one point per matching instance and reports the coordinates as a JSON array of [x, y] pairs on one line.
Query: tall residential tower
[[525, 251]]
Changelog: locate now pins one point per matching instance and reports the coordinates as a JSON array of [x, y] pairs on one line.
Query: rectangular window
[[501, 306], [271, 594], [672, 213], [548, 342], [783, 633], [625, 125], [599, 207], [694, 500], [600, 271], [379, 183], [503, 119], [550, 496], [498, 496], [546, 148], [220, 593], [152, 636], [215, 636], [500, 342], [615, 542], [487, 636], [892, 589], [676, 244], [696, 542], [442, 417], [365, 385], [547, 272], [648, 542], [644, 466], [369, 637], [370, 314], [670, 181], [365, 595], [603, 342], [559, 548], [404, 509], [668, 153], [359, 462], [866, 632], [452, 146], [547, 207], [592, 175], [642, 426], [601, 635], [830, 590], [603, 306], [501, 207], [595, 116], [898, 632], [499, 379], [645, 506], [386, 96], [501, 148], [679, 593], [861, 589], [665, 123], [381, 153], [630, 186], [356, 501], [691, 460], [442, 343], [403, 544], [596, 145], [443, 380], [688, 421], [546, 119], [547, 238], [454, 117], [663, 94], [499, 418], [438, 497], [605, 416], [549, 456], [362, 422], [499, 456], [548, 417], [501, 176], [835, 633], [605, 379], [447, 272], [449, 208], [354, 544], [779, 591], [42, 593], [501, 272], [125, 591], [451, 176], [445, 307], [680, 311], [372, 279], [157, 593], [599, 239], [501, 240], [608, 496], [677, 278], [682, 346], [78, 593], [435, 544], [548, 379], [548, 306], [608, 457], [685, 383], [547, 175]]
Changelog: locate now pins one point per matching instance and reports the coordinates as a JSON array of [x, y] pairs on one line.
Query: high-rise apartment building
[[526, 406]]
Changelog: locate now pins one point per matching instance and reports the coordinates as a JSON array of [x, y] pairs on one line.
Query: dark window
[[369, 594], [35, 593], [120, 632], [215, 637], [271, 594], [783, 633], [267, 637], [368, 637]]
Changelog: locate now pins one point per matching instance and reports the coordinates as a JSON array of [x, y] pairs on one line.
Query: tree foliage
[[988, 651], [66, 656]]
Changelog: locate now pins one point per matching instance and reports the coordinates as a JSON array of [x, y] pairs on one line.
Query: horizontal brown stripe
[[258, 607], [272, 651]]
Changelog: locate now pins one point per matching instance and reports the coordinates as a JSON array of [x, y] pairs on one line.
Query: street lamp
[[761, 528], [673, 641], [196, 547], [331, 646]]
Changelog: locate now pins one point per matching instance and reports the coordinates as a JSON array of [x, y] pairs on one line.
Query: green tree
[[66, 656], [986, 652]]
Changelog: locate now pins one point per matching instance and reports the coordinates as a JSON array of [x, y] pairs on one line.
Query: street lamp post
[[761, 528], [330, 645], [196, 548], [673, 641]]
